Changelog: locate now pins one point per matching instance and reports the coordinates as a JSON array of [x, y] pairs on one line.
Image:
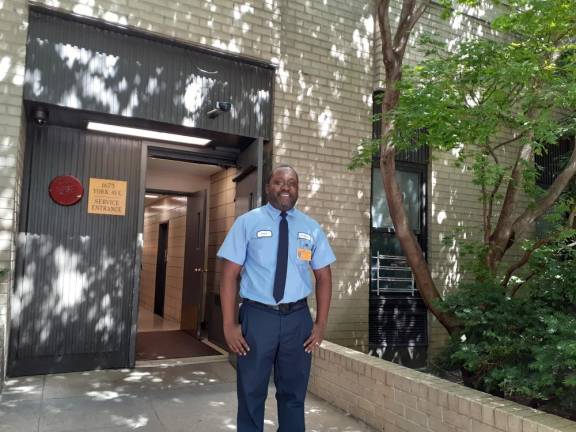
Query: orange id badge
[[304, 254]]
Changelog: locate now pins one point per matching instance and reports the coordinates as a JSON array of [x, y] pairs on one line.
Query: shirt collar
[[275, 213]]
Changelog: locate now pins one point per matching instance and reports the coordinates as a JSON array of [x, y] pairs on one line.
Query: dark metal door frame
[[169, 151], [138, 258], [402, 303]]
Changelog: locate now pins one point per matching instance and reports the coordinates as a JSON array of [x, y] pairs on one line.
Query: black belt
[[281, 307]]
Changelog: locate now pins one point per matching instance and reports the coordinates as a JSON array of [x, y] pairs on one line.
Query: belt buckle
[[284, 307]]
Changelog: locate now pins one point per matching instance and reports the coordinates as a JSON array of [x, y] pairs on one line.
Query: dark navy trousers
[[276, 340]]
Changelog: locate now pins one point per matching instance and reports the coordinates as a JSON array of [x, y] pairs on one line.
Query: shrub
[[522, 347]]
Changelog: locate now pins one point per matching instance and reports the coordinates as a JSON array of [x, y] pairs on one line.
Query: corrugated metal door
[[75, 295]]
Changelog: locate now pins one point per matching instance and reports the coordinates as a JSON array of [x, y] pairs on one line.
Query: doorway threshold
[[221, 357], [182, 361]]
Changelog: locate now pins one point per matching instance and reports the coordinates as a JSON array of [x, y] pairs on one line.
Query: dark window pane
[[411, 190]]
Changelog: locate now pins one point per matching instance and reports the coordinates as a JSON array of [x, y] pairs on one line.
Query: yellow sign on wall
[[107, 197]]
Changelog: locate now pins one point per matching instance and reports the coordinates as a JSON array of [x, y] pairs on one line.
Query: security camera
[[220, 108], [223, 106], [40, 116]]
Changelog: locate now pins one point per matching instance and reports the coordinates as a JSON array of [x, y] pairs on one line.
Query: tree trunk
[[409, 242], [393, 49]]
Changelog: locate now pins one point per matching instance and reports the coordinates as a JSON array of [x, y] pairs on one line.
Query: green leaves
[[523, 348], [521, 85], [471, 96], [544, 20]]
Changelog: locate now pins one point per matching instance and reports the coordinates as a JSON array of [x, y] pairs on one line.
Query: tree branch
[[517, 287], [523, 260], [492, 197], [510, 141], [571, 217], [403, 29], [491, 202], [492, 152], [419, 12], [488, 91], [393, 56], [385, 32], [487, 223], [409, 16], [527, 218], [503, 232]]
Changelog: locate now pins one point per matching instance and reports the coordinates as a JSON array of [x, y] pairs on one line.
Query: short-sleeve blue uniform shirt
[[252, 242]]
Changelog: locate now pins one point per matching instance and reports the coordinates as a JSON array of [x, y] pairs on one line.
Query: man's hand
[[228, 290], [323, 295], [315, 338], [235, 340]]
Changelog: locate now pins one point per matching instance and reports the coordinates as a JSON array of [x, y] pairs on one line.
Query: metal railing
[[392, 274]]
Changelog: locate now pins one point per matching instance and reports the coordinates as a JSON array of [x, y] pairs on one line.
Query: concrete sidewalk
[[183, 398]]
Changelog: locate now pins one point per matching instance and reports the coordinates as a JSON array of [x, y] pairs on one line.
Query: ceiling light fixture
[[145, 133]]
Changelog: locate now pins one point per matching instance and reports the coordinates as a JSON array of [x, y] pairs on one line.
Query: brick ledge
[[394, 398]]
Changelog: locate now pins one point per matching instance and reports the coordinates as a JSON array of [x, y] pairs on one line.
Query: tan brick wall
[[392, 398], [322, 111], [13, 27], [221, 204]]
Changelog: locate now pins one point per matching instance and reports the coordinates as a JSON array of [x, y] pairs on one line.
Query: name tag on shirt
[[304, 236], [304, 254], [264, 233]]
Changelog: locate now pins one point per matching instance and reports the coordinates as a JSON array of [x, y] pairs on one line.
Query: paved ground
[[190, 398]]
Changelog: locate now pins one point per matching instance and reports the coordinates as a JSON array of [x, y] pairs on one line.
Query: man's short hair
[[281, 166]]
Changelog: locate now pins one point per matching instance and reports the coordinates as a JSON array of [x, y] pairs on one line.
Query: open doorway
[[173, 277], [161, 262]]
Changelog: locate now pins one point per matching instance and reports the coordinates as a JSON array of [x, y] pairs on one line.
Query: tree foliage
[[491, 97], [498, 102], [521, 347], [495, 101]]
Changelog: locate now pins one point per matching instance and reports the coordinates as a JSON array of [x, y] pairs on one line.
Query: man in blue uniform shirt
[[272, 249]]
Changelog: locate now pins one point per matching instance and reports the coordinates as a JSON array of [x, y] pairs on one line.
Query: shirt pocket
[[304, 249], [263, 246], [302, 267]]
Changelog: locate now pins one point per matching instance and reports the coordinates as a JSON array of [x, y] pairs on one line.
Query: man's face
[[282, 190]]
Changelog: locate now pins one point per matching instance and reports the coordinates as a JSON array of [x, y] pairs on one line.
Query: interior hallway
[[150, 322], [160, 339]]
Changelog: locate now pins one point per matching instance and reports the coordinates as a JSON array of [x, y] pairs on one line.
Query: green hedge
[[523, 348]]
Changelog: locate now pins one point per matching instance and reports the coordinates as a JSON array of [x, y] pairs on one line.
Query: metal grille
[[397, 313], [391, 273], [397, 321], [552, 162], [420, 155]]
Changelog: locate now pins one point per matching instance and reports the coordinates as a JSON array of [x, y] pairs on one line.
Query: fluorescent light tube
[[145, 133], [151, 196]]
